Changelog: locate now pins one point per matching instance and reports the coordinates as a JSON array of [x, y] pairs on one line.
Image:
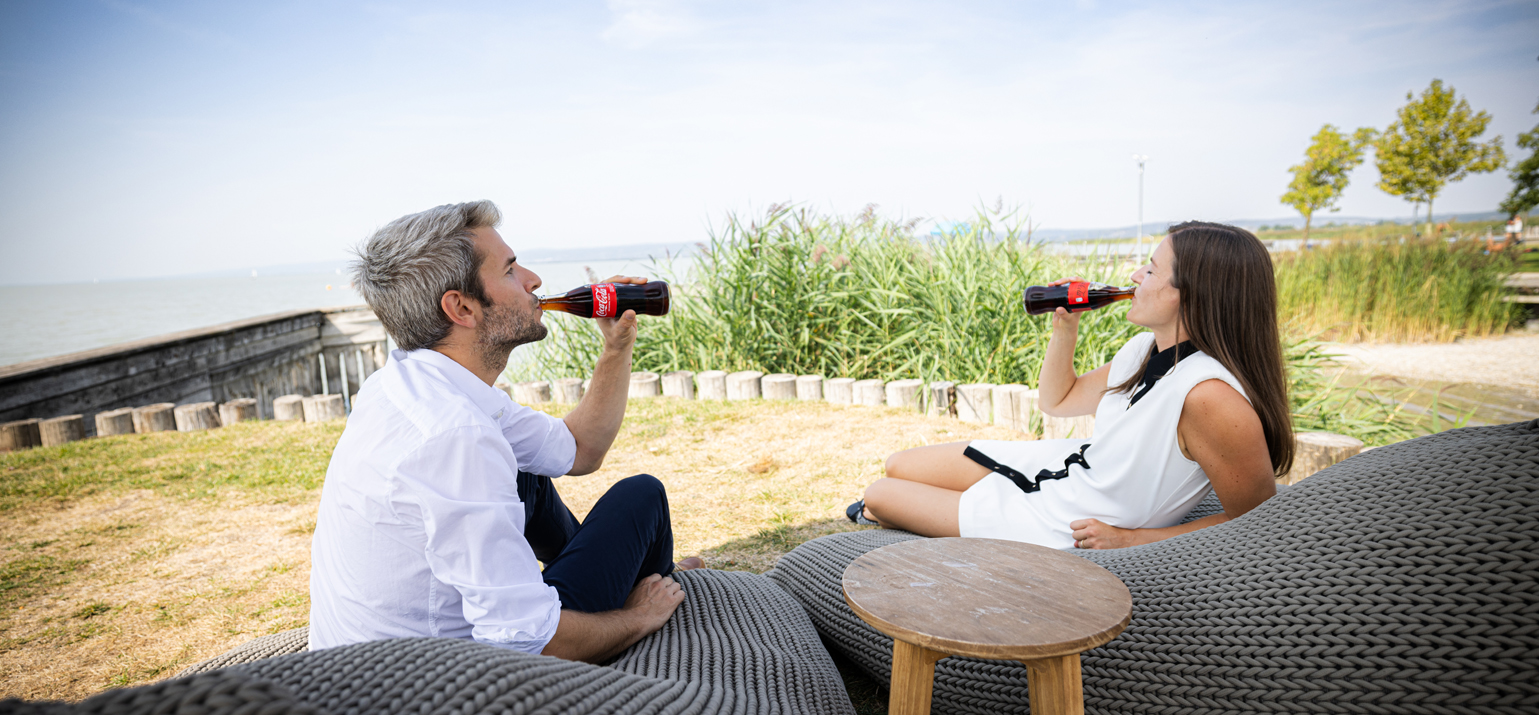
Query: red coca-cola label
[[604, 300], [1079, 293]]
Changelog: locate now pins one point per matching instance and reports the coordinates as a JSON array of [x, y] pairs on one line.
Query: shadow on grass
[[759, 552]]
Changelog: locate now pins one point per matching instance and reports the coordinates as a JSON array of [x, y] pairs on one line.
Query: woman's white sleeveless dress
[[1137, 477]]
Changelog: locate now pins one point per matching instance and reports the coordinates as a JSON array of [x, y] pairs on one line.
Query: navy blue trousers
[[594, 564]]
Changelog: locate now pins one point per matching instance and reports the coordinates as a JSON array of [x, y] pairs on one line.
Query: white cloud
[[640, 23]]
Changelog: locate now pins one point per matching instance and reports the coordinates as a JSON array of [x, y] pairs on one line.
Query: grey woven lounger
[[739, 644], [1403, 580]]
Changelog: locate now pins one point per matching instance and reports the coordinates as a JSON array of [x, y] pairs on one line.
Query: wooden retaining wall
[[261, 358]]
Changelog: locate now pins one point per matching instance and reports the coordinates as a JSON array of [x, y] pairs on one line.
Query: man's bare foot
[[689, 564]]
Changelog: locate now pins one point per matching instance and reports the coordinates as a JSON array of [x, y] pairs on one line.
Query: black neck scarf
[[1161, 363]]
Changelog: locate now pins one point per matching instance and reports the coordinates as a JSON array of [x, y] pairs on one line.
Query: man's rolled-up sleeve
[[542, 444], [465, 483]]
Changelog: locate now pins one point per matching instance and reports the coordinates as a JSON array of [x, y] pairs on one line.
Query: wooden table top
[[987, 598]]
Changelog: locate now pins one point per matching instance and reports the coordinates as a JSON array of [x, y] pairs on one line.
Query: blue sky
[[156, 138]]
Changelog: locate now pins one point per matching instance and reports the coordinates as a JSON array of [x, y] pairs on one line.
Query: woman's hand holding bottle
[[1062, 318]]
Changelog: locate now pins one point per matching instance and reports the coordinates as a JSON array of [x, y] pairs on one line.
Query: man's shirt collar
[[492, 401]]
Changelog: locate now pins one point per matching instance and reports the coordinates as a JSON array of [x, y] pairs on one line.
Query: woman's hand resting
[[1096, 534]]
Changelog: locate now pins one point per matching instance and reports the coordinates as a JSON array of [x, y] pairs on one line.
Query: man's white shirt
[[420, 530]]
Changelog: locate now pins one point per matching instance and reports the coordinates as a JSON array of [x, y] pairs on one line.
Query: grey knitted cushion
[[1403, 580], [739, 644], [219, 693], [295, 641]]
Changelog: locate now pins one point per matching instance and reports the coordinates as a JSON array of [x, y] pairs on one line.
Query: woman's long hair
[[1229, 311]]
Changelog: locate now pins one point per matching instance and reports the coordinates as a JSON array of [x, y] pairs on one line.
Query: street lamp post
[[1140, 158]]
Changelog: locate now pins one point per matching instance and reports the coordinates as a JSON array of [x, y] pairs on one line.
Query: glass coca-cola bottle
[[1075, 296], [610, 300]]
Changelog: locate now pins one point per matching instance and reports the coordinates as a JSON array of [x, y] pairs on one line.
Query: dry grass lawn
[[125, 559]]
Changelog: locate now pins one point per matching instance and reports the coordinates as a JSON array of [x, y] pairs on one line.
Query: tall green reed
[[803, 293], [1394, 290]]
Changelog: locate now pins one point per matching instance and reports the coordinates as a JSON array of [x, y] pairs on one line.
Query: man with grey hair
[[438, 506]]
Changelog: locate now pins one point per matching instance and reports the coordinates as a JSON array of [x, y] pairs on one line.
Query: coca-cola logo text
[[604, 300], [1079, 292]]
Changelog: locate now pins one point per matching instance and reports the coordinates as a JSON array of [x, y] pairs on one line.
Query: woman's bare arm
[[1060, 392], [1222, 433]]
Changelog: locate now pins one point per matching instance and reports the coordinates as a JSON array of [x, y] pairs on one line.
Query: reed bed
[[1397, 290], [864, 297], [808, 294]]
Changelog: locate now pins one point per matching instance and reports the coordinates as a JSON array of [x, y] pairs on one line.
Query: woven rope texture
[[295, 641], [221, 693], [1403, 580], [739, 644], [741, 632]]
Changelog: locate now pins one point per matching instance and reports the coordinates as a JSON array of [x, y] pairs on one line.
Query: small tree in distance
[[1525, 176], [1431, 144], [1319, 181]]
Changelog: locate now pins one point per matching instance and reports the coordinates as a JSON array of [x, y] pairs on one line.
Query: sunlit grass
[[125, 559]]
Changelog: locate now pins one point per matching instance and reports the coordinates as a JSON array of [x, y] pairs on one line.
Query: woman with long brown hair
[[1198, 403]]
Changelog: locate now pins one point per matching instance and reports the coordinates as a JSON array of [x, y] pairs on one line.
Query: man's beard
[[503, 328]]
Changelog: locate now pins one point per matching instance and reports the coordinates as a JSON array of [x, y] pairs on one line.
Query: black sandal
[[857, 513]]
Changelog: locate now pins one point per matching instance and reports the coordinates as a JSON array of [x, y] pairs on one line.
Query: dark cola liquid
[[1075, 297], [611, 300]]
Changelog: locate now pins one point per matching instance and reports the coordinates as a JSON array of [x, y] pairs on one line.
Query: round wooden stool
[[987, 598]]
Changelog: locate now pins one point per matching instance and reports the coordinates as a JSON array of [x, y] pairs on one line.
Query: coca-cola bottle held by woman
[[1074, 296], [609, 300]]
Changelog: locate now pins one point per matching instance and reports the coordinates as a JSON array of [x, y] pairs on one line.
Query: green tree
[[1431, 144], [1318, 182], [1525, 176]]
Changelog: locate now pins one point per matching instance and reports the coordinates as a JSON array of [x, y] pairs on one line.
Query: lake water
[[43, 321]]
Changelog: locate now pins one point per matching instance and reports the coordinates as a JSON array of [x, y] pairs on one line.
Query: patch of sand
[[1510, 361]]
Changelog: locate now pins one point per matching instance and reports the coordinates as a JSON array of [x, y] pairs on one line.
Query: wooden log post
[[323, 408], [508, 389], [196, 416], [779, 386], [1002, 397], [905, 394], [809, 388], [679, 384], [568, 390], [240, 410], [839, 390], [744, 385], [645, 384], [712, 384], [159, 417], [289, 408], [537, 391], [1026, 411], [21, 434], [940, 399], [975, 403], [1314, 451], [114, 422], [61, 430], [871, 393]]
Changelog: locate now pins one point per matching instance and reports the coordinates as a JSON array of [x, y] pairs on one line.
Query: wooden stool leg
[[1054, 686], [913, 678]]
